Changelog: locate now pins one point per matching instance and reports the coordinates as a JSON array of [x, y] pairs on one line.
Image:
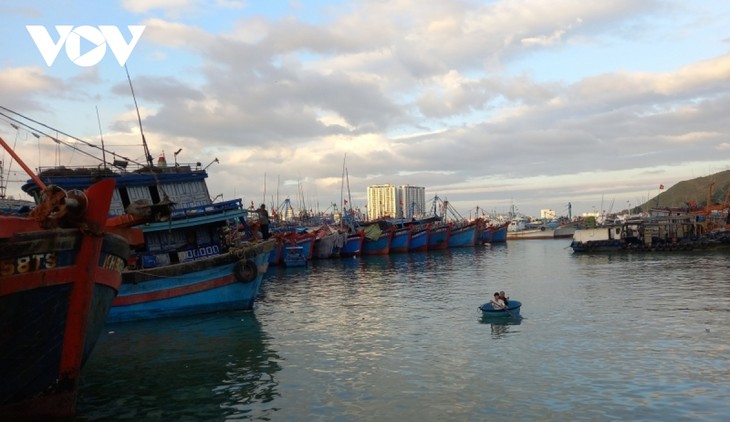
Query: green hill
[[683, 193]]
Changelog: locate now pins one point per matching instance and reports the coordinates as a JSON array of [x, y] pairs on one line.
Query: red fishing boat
[[60, 269]]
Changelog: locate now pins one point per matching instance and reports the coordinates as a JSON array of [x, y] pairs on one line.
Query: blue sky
[[489, 104]]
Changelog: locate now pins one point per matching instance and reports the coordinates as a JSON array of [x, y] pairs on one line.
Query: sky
[[491, 105]]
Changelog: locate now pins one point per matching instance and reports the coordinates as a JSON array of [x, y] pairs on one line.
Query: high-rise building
[[389, 201], [414, 201], [382, 201]]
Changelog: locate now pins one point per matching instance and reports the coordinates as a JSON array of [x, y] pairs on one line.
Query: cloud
[[486, 103]]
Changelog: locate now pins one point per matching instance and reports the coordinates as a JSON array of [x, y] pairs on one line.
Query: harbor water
[[640, 337]]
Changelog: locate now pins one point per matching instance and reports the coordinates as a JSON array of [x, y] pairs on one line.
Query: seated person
[[504, 298], [497, 302]]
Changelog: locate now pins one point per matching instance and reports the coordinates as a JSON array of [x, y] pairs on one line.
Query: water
[[604, 337]]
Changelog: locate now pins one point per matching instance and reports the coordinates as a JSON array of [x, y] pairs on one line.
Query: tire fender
[[245, 271]]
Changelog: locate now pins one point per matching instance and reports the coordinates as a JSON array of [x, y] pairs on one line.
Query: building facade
[[389, 201], [414, 201]]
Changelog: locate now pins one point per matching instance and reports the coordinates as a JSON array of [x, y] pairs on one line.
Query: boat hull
[[229, 281], [463, 236], [56, 289], [353, 245], [379, 246], [499, 234], [419, 240], [532, 234], [401, 240], [439, 237], [512, 311]]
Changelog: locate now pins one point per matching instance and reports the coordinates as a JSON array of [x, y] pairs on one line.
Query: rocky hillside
[[683, 193]]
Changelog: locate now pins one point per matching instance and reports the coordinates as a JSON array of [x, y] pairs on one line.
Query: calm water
[[621, 337]]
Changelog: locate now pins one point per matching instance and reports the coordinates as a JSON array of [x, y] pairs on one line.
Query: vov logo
[[101, 37]]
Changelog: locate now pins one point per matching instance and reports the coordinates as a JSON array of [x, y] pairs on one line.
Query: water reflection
[[218, 364], [500, 326]]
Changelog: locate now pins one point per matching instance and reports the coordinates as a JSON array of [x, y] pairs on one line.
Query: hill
[[683, 193]]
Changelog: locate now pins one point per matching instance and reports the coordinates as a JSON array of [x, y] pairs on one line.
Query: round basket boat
[[512, 311]]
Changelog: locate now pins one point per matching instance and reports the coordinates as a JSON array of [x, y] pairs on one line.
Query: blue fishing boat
[[295, 257], [439, 236], [419, 238], [497, 233], [353, 244], [401, 239], [198, 255], [512, 310], [463, 234], [377, 240]]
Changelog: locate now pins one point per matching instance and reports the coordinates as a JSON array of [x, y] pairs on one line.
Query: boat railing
[[208, 209], [118, 167]]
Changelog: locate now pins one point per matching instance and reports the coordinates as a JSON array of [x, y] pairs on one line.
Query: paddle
[[506, 309]]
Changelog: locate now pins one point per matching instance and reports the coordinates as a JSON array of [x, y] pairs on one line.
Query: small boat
[[295, 256], [512, 311]]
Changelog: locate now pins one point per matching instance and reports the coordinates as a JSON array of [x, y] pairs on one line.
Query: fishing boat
[[198, 255], [61, 269], [419, 238], [438, 237], [295, 257], [401, 239], [670, 233], [328, 242], [353, 244], [378, 238], [298, 236], [512, 310], [463, 234], [498, 233]]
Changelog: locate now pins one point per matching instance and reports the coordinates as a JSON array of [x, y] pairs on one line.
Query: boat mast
[[139, 119], [101, 136], [342, 192]]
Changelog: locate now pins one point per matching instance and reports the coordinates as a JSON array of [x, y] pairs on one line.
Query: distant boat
[[292, 236], [462, 234], [663, 233], [61, 271], [353, 244], [328, 243], [495, 233], [439, 236], [401, 240], [566, 230], [377, 239], [295, 257], [512, 310], [419, 238], [535, 234]]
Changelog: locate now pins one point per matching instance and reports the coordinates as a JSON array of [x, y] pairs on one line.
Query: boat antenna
[[342, 190], [139, 119], [101, 136]]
